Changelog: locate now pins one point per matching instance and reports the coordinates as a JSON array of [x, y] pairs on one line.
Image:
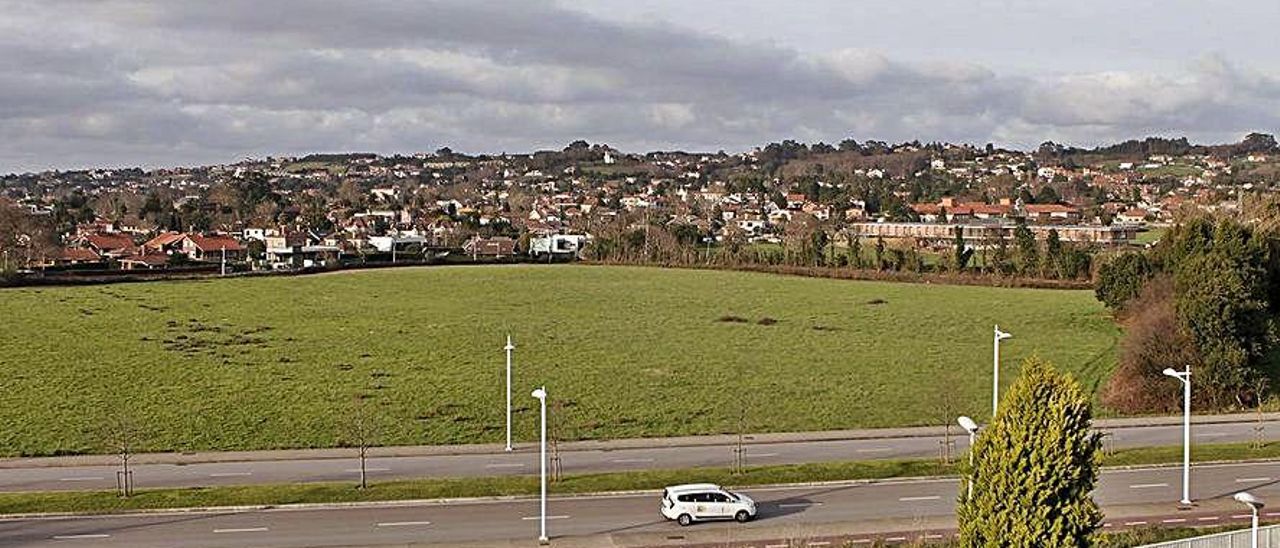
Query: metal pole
[[995, 373], [542, 461], [509, 348], [1253, 543], [971, 472], [1186, 436]]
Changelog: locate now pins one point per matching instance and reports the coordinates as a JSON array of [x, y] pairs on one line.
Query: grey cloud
[[159, 83]]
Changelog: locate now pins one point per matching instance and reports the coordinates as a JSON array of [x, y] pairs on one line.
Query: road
[[1129, 497], [39, 475]]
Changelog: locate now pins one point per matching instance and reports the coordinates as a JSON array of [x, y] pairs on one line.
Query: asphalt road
[[39, 477], [1130, 498]]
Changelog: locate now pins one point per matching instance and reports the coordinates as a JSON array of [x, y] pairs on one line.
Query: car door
[[720, 505]]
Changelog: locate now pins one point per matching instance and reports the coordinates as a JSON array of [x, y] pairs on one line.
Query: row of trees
[[1204, 297], [808, 243]]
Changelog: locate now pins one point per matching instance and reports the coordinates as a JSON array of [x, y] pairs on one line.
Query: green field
[[278, 362]]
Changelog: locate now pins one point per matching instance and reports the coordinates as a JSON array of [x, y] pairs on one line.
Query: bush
[[1153, 340]]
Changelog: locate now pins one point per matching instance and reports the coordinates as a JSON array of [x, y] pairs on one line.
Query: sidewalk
[[588, 445]]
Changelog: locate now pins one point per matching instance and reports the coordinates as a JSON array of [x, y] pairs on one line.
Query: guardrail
[[1268, 537]]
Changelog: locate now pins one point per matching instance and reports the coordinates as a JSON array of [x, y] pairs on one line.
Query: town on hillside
[[803, 201]]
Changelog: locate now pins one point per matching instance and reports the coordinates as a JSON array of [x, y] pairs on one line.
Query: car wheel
[[685, 520], [742, 516]]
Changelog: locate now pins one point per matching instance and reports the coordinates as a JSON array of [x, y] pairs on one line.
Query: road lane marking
[[912, 499], [1208, 518], [1251, 480], [229, 474], [933, 536], [858, 541], [1241, 516], [1174, 520], [631, 460], [874, 450], [892, 539], [1148, 485], [775, 546], [1273, 514], [76, 537], [820, 543], [369, 470], [81, 478], [510, 465], [531, 518], [1130, 523], [242, 530], [403, 523], [798, 504]]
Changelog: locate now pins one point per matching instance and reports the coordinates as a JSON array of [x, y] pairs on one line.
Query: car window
[[719, 497], [685, 498]]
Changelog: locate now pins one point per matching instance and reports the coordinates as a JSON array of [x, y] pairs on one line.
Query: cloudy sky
[[119, 82]]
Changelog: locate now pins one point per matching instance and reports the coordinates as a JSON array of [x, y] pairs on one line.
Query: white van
[[705, 501]]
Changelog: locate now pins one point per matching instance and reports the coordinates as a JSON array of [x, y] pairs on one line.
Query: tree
[[961, 254], [361, 433], [879, 253], [1052, 262], [1121, 279], [1034, 467], [1025, 244]]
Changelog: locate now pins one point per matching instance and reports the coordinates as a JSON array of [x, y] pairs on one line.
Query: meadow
[[283, 362]]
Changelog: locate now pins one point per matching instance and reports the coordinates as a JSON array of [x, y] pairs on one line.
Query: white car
[[705, 501]]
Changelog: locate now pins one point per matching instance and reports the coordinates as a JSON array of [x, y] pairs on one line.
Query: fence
[[1268, 537]]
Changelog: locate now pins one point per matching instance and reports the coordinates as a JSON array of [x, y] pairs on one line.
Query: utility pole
[[224, 260], [510, 347]]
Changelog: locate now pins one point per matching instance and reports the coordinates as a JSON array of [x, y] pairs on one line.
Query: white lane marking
[[798, 504], [369, 470], [531, 518], [631, 460], [749, 455], [820, 543], [242, 530], [858, 541], [510, 465], [911, 499], [933, 536], [1251, 480], [403, 523], [775, 546], [1135, 523], [1208, 518], [229, 474], [1241, 516], [1174, 520], [1147, 485], [1273, 514], [75, 537], [891, 539], [81, 478], [874, 450]]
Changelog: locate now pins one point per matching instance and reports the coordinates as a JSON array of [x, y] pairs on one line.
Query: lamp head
[[1001, 335], [968, 424], [1245, 497], [1170, 372], [540, 393]]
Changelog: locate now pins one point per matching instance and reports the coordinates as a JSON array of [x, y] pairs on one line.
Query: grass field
[[280, 362]]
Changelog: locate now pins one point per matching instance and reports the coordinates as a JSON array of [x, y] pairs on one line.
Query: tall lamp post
[[1185, 377], [995, 368], [541, 394], [1254, 504], [509, 348], [972, 428]]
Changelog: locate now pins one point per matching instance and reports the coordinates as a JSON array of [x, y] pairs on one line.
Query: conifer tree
[[1034, 467]]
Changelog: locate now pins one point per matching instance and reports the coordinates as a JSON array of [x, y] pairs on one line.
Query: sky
[[107, 83]]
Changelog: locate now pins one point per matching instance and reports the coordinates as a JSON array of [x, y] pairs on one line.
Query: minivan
[[705, 501]]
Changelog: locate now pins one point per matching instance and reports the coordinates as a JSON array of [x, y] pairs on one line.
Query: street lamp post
[[509, 348], [972, 428], [1185, 377], [995, 368], [541, 394], [1254, 504]]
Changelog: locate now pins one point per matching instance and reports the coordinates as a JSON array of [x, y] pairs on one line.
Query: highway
[[907, 508], [54, 474]]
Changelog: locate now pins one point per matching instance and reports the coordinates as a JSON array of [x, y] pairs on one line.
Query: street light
[[972, 428], [1255, 504], [541, 394], [995, 368], [1185, 377], [509, 348]]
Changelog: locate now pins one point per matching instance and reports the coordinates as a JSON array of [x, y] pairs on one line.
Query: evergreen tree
[[1034, 467]]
